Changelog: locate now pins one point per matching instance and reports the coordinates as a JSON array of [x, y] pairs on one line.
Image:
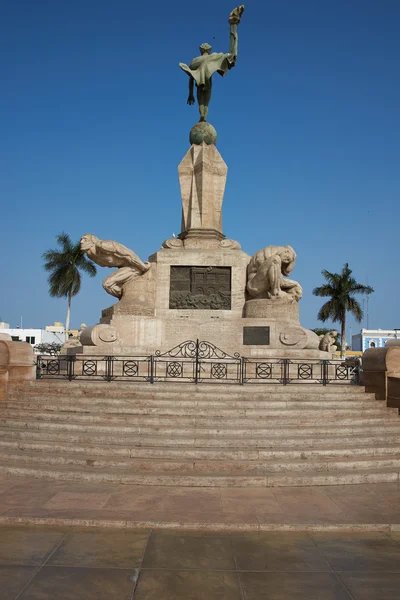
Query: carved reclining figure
[[107, 253]]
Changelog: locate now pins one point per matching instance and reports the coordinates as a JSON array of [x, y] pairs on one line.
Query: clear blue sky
[[94, 122]]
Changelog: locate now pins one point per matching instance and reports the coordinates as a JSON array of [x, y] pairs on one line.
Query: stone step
[[222, 430], [163, 441], [191, 391], [130, 386], [246, 419], [190, 453], [215, 479], [84, 404], [188, 466], [209, 408]]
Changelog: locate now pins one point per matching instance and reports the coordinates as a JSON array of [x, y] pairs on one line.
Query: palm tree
[[64, 266], [341, 287]]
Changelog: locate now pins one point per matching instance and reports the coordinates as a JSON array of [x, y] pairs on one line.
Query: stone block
[[16, 364], [393, 389], [138, 297], [282, 309], [202, 177]]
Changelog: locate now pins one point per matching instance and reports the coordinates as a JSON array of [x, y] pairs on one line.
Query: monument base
[[198, 293], [137, 335], [284, 308]]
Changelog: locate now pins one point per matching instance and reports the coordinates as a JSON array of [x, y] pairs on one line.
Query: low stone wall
[[16, 364], [381, 374], [393, 390]]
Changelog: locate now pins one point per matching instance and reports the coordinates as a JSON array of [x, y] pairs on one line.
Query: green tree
[[341, 287], [64, 265]]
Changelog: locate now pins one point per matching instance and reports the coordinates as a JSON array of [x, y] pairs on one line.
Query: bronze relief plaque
[[197, 288], [257, 336]]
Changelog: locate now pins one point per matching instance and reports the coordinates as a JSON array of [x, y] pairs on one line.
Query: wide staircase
[[198, 435]]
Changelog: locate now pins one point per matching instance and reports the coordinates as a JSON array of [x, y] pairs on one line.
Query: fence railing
[[196, 362]]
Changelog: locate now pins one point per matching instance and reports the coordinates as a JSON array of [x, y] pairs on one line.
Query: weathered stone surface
[[138, 297], [98, 335], [173, 243], [16, 364], [299, 338], [284, 308], [374, 372], [202, 177]]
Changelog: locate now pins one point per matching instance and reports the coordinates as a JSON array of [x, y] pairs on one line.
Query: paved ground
[[41, 563], [351, 507]]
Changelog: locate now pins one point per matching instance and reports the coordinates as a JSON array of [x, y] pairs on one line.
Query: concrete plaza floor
[[43, 563], [373, 507]]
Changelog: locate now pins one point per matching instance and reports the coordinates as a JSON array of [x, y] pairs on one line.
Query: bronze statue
[[203, 67]]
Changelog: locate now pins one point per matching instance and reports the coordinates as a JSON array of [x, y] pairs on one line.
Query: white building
[[33, 336], [56, 328], [373, 338]]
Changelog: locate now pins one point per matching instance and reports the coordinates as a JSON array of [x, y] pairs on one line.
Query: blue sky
[[94, 122]]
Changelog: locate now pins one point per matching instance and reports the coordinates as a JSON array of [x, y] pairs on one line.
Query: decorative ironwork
[[342, 372], [191, 349], [174, 369], [53, 367], [304, 371], [197, 362], [264, 370], [130, 368], [187, 349], [89, 367], [219, 371]]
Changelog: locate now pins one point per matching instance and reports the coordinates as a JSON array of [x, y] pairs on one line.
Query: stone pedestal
[[202, 178], [164, 327], [282, 309], [138, 297]]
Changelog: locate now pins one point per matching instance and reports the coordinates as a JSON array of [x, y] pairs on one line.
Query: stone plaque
[[257, 336], [200, 288]]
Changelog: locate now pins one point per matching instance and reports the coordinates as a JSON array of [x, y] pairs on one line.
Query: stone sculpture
[[202, 178], [265, 271], [327, 341], [107, 253], [203, 67]]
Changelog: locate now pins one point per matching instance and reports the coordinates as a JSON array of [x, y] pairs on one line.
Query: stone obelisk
[[202, 177]]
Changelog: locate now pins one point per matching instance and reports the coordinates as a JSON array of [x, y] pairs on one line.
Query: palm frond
[[358, 288], [64, 265], [324, 290], [65, 241], [340, 287], [354, 307]]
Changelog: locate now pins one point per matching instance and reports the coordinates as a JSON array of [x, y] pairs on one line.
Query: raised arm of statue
[[234, 20]]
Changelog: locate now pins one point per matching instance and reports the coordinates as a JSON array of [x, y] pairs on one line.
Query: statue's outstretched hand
[[236, 15], [191, 100]]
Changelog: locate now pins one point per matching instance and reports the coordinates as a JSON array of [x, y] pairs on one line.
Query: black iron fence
[[196, 362]]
